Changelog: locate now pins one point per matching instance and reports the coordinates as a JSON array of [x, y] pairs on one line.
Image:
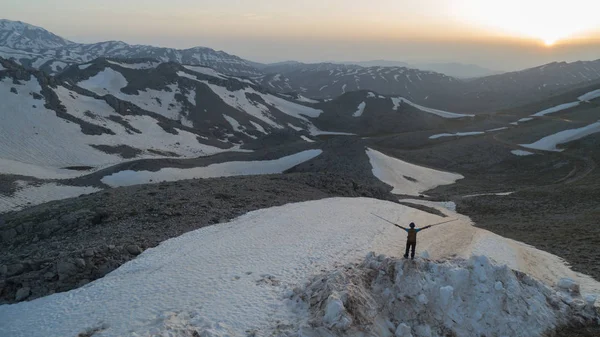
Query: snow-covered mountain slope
[[267, 256], [368, 113], [46, 129], [37, 48], [327, 80], [106, 112], [23, 36]]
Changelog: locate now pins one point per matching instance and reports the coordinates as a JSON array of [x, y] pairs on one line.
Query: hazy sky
[[502, 35]]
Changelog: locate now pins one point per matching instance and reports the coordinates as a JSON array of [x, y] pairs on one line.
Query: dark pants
[[410, 245]]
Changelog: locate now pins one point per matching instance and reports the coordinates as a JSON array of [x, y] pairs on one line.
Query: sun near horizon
[[505, 36]]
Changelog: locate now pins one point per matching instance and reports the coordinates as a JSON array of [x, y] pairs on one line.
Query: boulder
[[133, 250], [80, 263], [22, 294], [403, 330], [49, 276], [88, 252], [65, 269], [15, 269]]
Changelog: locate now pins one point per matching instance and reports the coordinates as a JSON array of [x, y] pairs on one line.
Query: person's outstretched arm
[[402, 227], [425, 228]]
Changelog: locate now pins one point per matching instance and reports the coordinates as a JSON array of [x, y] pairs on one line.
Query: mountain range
[[34, 47], [458, 70]]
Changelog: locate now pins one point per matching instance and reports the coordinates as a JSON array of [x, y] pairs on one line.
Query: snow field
[[221, 280], [238, 100], [226, 169], [473, 297], [550, 143], [462, 239], [162, 102], [397, 100], [589, 96], [108, 81], [556, 109], [36, 138], [35, 195], [394, 172], [35, 142], [227, 279]]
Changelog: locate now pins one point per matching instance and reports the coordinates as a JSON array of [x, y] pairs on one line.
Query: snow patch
[[227, 169], [205, 71], [142, 65], [521, 153], [291, 108], [501, 194], [306, 99], [397, 100], [297, 128], [549, 143], [555, 109], [236, 126], [589, 96], [258, 127], [307, 139], [458, 134], [523, 120], [108, 81], [406, 178], [497, 129], [360, 110], [30, 195]]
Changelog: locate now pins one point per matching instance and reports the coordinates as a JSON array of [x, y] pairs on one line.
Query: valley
[[201, 194]]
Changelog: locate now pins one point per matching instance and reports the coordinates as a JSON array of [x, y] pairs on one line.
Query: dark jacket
[[412, 234]]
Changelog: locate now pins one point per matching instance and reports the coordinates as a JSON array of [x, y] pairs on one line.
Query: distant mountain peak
[[35, 47], [23, 36]]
